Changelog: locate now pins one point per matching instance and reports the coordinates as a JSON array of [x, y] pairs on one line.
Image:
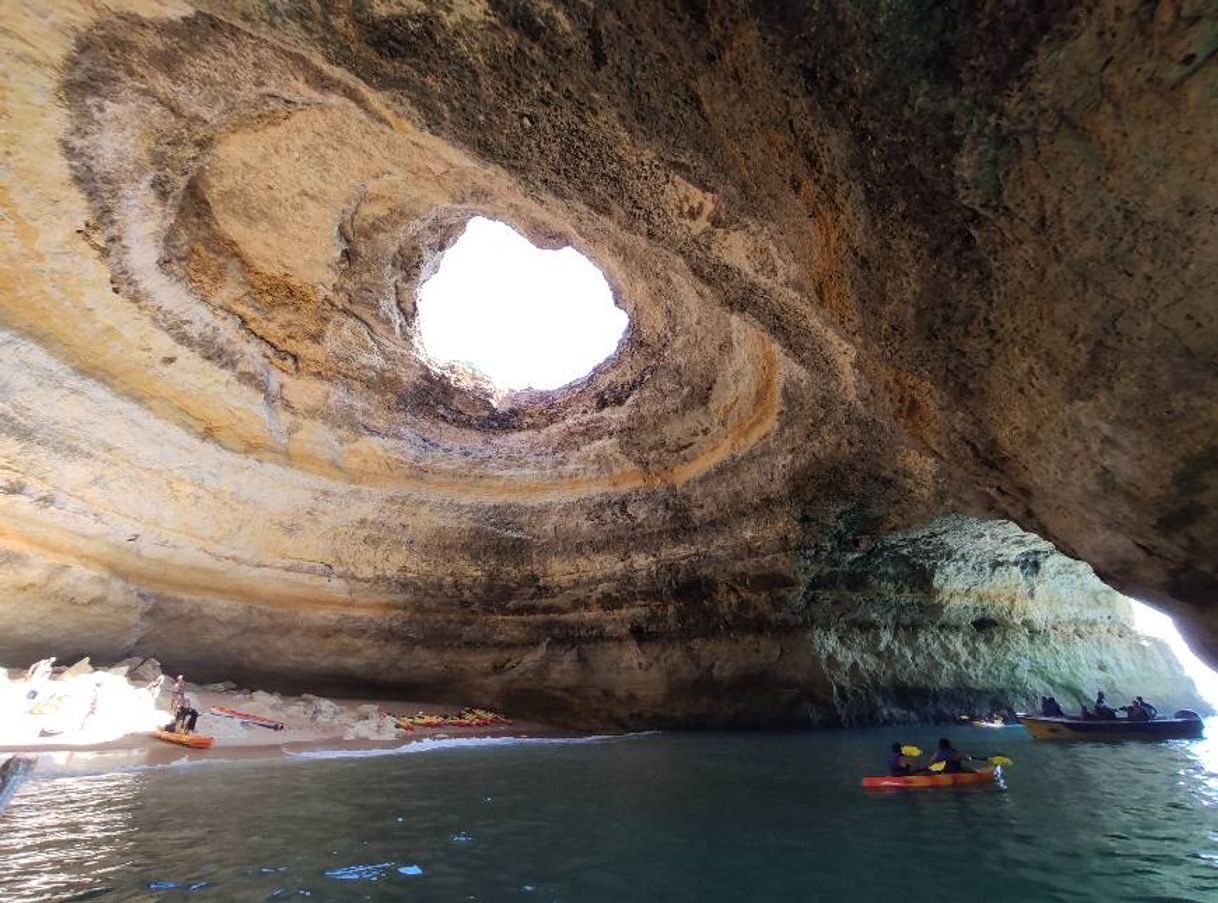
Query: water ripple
[[707, 817]]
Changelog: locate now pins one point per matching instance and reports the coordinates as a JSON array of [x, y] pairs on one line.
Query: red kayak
[[909, 781], [246, 717]]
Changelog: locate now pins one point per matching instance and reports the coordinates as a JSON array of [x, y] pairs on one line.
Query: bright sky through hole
[[1156, 624], [524, 317]]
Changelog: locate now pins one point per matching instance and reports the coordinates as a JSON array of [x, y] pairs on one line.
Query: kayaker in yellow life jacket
[[898, 764]]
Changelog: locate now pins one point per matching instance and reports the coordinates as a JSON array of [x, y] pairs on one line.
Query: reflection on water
[[1200, 772], [56, 832], [707, 817]]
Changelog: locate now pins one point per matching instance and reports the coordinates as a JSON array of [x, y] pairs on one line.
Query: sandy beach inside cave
[[312, 726]]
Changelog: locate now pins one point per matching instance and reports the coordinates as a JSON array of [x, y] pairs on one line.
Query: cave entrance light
[[523, 317], [1150, 622]]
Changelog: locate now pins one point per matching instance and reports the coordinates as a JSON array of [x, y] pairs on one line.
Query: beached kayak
[[1113, 729], [195, 741], [467, 718], [912, 781], [246, 717]]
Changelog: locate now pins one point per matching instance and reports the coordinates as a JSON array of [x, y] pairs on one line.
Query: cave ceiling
[[882, 261]]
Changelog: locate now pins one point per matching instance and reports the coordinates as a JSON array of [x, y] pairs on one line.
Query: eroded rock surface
[[880, 263]]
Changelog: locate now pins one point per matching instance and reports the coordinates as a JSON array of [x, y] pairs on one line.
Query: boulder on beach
[[266, 700], [378, 727], [137, 669], [147, 670], [321, 709], [81, 667]]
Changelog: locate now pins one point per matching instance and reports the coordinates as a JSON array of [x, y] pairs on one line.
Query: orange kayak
[[195, 741], [980, 776]]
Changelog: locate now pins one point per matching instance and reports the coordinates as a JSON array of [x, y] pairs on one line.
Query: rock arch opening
[[1160, 626], [520, 316]]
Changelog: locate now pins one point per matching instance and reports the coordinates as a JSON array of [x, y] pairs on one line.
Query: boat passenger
[[1050, 708], [1151, 711], [952, 758], [898, 764], [1102, 710], [1135, 712]]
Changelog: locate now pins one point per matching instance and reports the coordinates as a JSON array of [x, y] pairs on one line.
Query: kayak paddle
[[993, 760], [910, 751]]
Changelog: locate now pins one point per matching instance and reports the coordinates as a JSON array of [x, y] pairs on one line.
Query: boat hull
[[1118, 729], [922, 781]]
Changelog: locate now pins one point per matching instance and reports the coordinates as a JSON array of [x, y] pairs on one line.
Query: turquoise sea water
[[650, 817]]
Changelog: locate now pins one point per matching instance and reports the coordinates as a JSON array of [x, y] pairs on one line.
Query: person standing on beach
[[185, 716]]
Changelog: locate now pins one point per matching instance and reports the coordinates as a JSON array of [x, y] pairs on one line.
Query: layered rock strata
[[963, 615], [879, 263]]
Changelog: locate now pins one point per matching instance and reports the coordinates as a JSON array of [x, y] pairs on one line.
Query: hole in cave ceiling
[[517, 315]]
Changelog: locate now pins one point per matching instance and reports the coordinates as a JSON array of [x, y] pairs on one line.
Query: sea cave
[[901, 383]]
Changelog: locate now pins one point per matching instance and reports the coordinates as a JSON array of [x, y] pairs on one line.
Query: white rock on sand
[[321, 709], [373, 726], [81, 667], [137, 668]]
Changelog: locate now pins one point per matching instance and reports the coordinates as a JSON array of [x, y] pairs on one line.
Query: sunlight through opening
[[1158, 625], [521, 316]]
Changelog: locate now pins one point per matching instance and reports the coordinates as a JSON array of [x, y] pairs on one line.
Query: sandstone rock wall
[[958, 615], [882, 261], [964, 615]]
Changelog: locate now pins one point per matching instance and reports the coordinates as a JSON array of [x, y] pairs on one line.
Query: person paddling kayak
[[898, 763], [952, 759]]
